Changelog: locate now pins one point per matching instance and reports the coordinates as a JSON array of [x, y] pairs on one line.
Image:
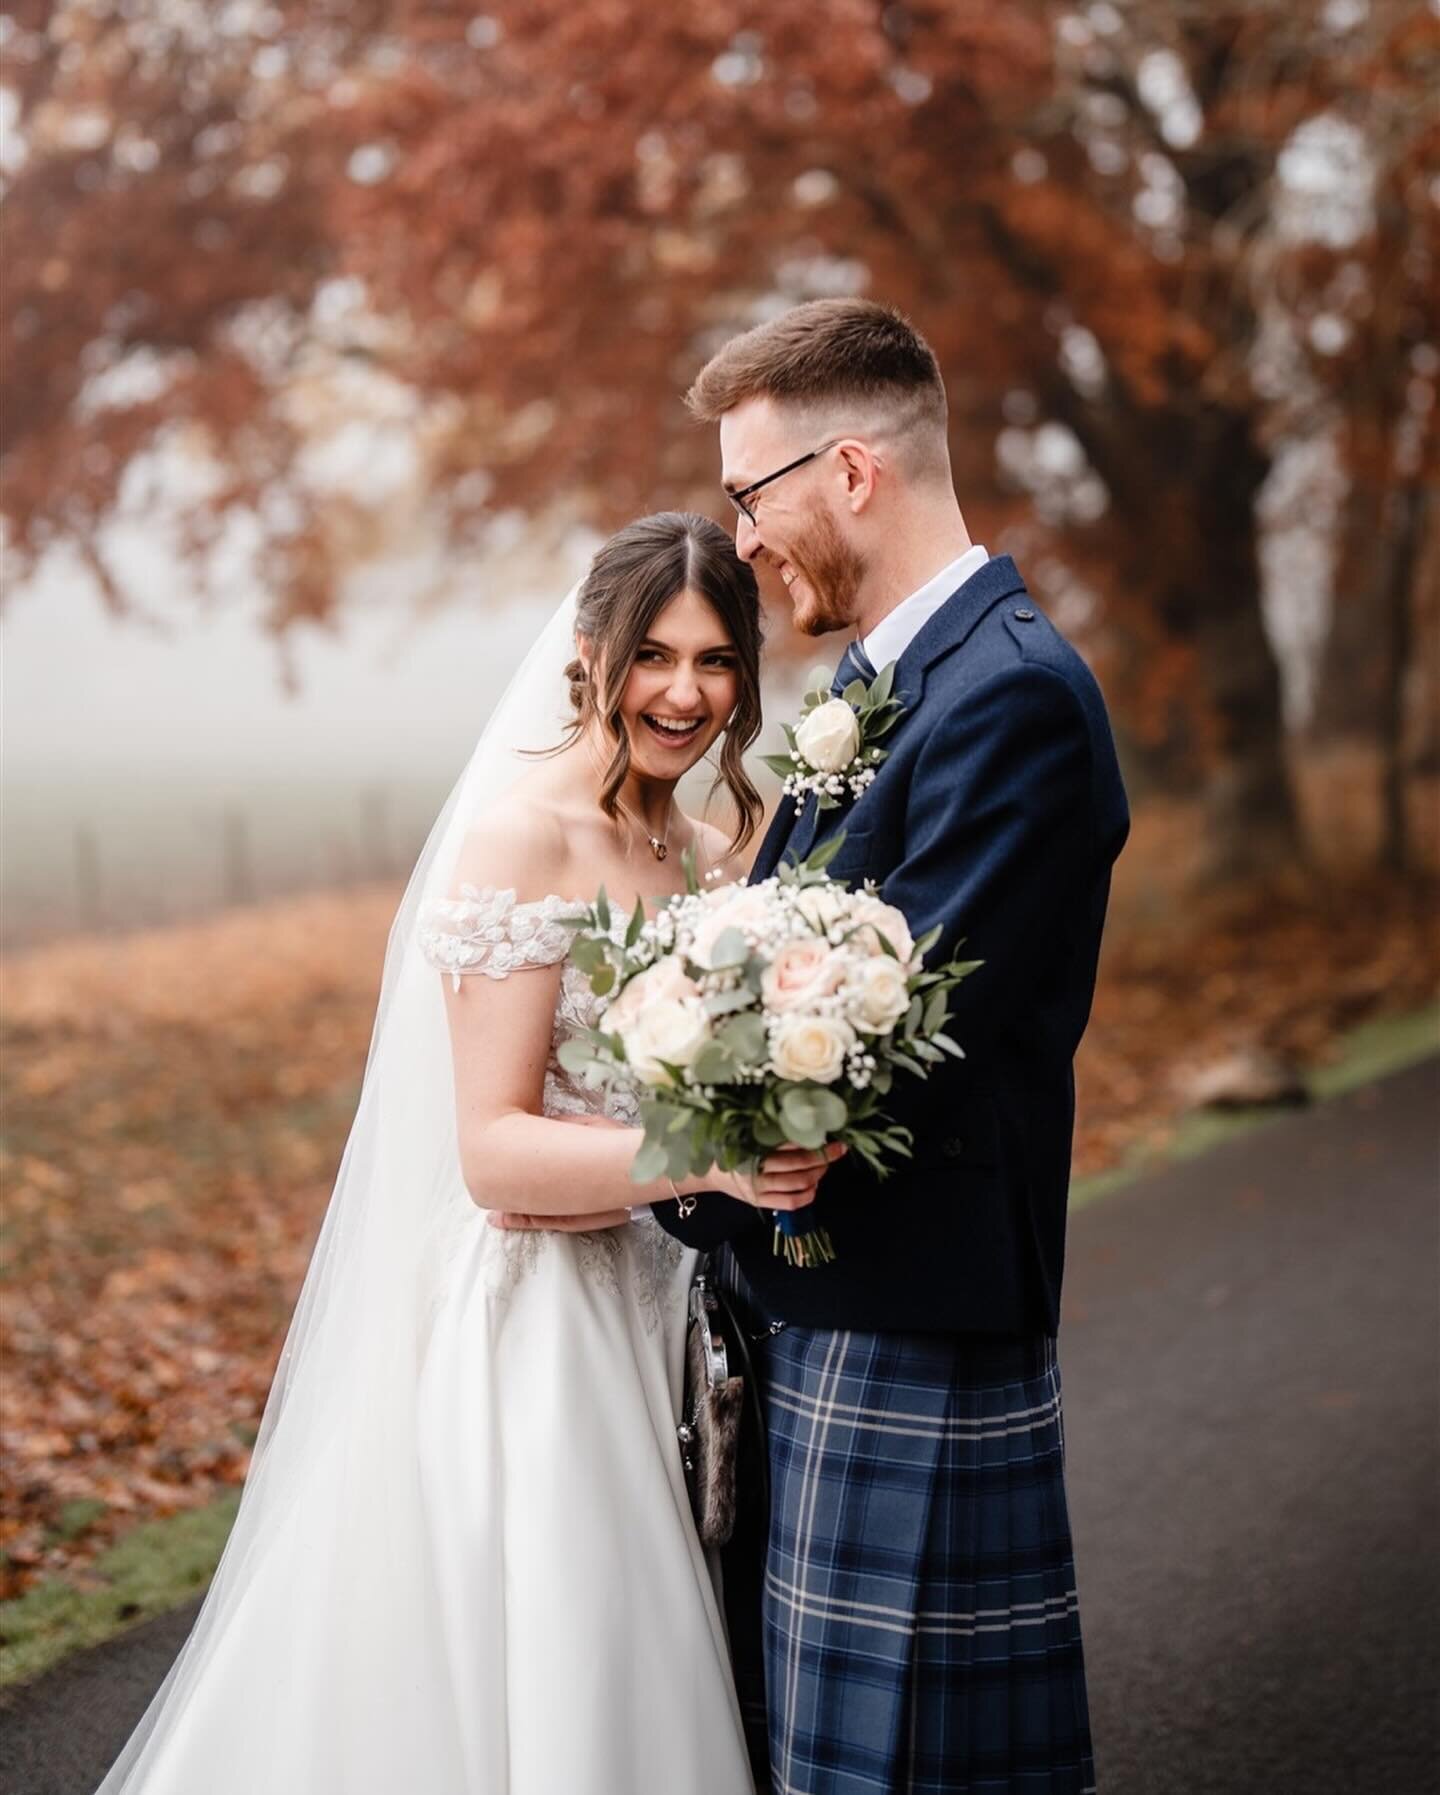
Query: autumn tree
[[537, 223]]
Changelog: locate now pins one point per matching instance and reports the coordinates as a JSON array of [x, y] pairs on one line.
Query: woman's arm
[[514, 1158]]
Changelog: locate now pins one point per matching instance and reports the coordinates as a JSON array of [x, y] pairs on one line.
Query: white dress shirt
[[893, 634]]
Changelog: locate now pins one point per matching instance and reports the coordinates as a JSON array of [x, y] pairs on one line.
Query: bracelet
[[686, 1205]]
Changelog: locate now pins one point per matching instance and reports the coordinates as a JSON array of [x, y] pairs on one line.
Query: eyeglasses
[[737, 499]]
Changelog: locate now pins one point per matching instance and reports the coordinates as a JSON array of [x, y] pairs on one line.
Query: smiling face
[[681, 689], [805, 522]]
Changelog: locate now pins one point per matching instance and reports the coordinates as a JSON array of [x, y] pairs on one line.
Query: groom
[[920, 1630]]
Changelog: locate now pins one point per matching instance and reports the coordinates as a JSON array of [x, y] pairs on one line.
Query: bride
[[464, 1562]]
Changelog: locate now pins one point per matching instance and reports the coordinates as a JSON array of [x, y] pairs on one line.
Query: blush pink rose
[[800, 972]]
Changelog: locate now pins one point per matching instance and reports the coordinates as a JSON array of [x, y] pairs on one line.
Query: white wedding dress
[[582, 1614], [549, 1625]]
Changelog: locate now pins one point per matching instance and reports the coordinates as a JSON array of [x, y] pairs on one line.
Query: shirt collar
[[895, 632]]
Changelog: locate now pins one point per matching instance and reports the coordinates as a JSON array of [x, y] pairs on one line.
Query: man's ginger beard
[[832, 572]]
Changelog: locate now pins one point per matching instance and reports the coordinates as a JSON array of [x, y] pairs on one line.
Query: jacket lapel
[[791, 838]]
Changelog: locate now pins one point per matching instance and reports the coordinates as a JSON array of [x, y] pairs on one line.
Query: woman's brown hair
[[632, 579]]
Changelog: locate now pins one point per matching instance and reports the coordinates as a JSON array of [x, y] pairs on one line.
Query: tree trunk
[[1400, 563], [1250, 807], [1350, 695], [1203, 538]]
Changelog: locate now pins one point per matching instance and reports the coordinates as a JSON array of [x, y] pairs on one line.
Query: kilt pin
[[905, 1620]]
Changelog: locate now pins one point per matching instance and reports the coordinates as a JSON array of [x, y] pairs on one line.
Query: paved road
[[1250, 1361]]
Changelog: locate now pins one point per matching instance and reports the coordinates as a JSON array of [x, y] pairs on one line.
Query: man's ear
[[861, 466]]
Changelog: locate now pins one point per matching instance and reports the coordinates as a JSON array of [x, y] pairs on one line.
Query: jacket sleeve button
[[1025, 616]]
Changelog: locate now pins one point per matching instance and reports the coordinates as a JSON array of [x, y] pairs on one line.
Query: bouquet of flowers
[[748, 1016]]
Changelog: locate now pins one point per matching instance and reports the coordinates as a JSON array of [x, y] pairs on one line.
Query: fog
[[159, 767]]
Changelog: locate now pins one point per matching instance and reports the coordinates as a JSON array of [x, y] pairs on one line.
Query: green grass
[[1365, 1054], [155, 1568], [162, 1564]]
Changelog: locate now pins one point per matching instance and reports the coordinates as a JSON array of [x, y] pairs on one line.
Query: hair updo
[[631, 580]]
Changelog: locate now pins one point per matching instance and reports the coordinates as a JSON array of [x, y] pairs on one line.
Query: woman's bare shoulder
[[518, 843]]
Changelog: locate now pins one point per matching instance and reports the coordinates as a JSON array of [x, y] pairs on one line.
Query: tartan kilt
[[919, 1623]]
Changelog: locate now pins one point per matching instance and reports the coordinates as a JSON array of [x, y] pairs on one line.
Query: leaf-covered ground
[[175, 1104]]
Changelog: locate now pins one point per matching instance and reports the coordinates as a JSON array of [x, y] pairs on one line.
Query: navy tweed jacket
[[998, 815]]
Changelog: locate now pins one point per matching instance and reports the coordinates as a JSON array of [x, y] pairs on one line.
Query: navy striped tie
[[854, 664]]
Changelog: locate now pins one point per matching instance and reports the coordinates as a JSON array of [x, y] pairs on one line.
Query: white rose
[[829, 736], [746, 908], [822, 906], [888, 921], [663, 981], [880, 998], [672, 1030], [811, 1047], [800, 972]]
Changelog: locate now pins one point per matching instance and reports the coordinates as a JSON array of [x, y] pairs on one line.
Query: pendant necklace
[[659, 847]]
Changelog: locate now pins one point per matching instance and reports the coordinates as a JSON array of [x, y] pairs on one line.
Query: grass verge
[[153, 1569], [1365, 1054]]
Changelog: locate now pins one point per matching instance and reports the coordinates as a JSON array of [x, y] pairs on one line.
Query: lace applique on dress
[[485, 930]]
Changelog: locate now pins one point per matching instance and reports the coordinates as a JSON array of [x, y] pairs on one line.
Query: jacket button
[[1025, 616]]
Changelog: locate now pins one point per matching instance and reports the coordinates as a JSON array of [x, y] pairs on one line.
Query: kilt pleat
[[920, 1623]]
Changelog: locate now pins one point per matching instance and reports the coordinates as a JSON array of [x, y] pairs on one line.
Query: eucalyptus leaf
[[882, 685], [721, 1003], [744, 1037], [587, 952], [801, 1116], [637, 922], [576, 1054], [854, 693], [602, 909], [680, 1161], [713, 1064], [830, 1111], [603, 981], [730, 949], [649, 1163]]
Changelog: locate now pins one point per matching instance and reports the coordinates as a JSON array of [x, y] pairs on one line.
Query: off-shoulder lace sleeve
[[485, 930]]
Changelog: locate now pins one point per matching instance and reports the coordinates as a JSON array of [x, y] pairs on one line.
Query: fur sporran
[[709, 1434]]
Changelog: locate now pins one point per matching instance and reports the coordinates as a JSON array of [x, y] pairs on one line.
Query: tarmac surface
[[1251, 1368]]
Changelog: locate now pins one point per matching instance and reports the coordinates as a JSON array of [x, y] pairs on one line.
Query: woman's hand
[[785, 1179]]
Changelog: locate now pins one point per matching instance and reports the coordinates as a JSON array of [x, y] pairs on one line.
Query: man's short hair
[[829, 356]]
